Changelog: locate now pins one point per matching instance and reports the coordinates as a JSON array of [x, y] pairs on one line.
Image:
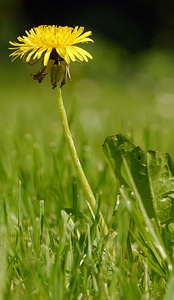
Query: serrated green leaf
[[152, 171]]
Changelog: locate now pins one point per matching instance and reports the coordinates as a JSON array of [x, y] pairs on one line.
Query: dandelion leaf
[[152, 172]]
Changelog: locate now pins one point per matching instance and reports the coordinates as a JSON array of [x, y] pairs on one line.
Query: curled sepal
[[58, 69], [43, 71], [60, 73]]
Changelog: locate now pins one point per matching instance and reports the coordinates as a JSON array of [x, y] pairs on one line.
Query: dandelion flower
[[56, 46]]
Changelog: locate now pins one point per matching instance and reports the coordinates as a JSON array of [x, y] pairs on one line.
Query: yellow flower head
[[56, 46]]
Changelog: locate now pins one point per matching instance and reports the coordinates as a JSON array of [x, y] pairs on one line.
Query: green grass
[[51, 248]]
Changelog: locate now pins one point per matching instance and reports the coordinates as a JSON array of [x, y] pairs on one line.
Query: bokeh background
[[127, 87], [134, 24]]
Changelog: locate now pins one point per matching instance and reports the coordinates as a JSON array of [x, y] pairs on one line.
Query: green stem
[[80, 173]]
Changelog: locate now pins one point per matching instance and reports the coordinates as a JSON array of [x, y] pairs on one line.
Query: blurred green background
[[127, 87]]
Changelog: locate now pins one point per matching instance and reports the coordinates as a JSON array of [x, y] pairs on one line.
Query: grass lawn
[[51, 247]]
